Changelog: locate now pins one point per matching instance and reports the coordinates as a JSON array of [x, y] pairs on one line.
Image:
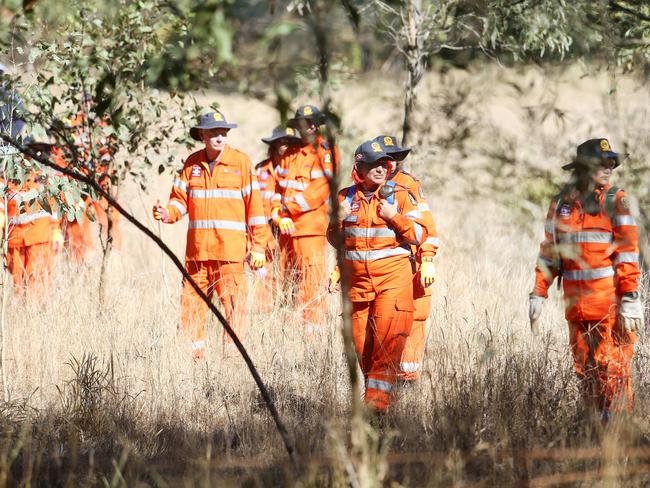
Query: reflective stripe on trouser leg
[[193, 309], [411, 362], [390, 321], [231, 288], [310, 252], [603, 363]]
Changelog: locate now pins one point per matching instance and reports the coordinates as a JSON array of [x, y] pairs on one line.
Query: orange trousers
[[302, 259], [78, 239], [265, 285], [227, 279], [411, 363], [603, 362], [101, 208], [380, 328], [31, 268]]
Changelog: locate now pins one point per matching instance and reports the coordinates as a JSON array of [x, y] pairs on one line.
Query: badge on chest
[[565, 211], [355, 206], [196, 171]]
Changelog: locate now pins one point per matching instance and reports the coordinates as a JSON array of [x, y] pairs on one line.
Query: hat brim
[[195, 131], [586, 162], [377, 157], [400, 153], [270, 140], [295, 122]]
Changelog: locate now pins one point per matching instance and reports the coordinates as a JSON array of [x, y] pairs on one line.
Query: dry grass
[[110, 397]]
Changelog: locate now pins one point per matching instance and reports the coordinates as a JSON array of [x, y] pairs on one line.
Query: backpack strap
[[350, 194], [610, 201]]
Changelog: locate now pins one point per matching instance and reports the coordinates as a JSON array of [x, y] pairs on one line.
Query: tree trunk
[[415, 55]]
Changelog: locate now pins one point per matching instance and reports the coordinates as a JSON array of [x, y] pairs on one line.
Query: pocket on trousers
[[404, 305]]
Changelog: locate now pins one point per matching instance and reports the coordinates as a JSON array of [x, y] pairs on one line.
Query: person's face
[[374, 174], [214, 139], [603, 172], [307, 129], [280, 147]]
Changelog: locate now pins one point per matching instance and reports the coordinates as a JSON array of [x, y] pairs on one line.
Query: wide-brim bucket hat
[[390, 146], [282, 132], [211, 120], [592, 152]]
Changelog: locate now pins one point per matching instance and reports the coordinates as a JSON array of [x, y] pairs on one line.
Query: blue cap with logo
[[370, 152], [282, 132], [592, 152], [211, 120], [390, 146]]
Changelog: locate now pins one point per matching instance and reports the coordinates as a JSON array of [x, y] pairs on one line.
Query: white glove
[[630, 313], [535, 311]]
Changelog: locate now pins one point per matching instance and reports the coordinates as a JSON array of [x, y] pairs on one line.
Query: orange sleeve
[[255, 219], [430, 246], [626, 240], [314, 196], [548, 260], [408, 223], [177, 206], [331, 228]]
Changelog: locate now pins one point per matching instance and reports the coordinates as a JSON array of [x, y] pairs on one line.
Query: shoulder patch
[[625, 203]]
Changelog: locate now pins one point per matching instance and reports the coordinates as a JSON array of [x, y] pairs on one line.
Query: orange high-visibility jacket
[[430, 246], [302, 190], [597, 254], [223, 207], [329, 157], [27, 224], [376, 252], [266, 177]]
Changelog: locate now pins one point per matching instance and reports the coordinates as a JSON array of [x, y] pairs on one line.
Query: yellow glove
[[160, 212], [57, 239], [286, 226], [275, 216], [334, 284], [427, 272], [256, 260]]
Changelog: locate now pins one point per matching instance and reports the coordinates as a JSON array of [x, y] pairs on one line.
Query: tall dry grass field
[[109, 396]]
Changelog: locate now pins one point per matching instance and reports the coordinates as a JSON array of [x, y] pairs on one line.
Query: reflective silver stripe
[[350, 218], [413, 214], [624, 220], [198, 345], [328, 173], [181, 208], [215, 194], [435, 241], [248, 189], [409, 367], [296, 185], [549, 228], [267, 194], [302, 202], [27, 218], [368, 232], [549, 263], [626, 257], [588, 274], [379, 385], [316, 174], [419, 232], [376, 254], [584, 237], [180, 184], [277, 196], [257, 221], [217, 224], [282, 171], [424, 207]]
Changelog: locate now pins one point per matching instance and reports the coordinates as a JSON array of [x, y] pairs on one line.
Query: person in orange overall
[[378, 228], [591, 244], [279, 142], [219, 192], [32, 232], [422, 260], [300, 210]]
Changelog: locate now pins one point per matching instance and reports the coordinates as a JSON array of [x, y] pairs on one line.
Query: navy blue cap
[[211, 120], [390, 146], [307, 112], [282, 132], [592, 152], [369, 152]]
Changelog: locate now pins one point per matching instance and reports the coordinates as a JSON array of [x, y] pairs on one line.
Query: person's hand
[[57, 239], [344, 210], [286, 226], [387, 211], [256, 260], [334, 284], [427, 272], [536, 303], [630, 313], [160, 212]]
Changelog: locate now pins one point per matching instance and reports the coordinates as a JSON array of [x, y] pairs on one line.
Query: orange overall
[[598, 256], [225, 209], [302, 193], [381, 285], [267, 286], [411, 363], [29, 239]]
